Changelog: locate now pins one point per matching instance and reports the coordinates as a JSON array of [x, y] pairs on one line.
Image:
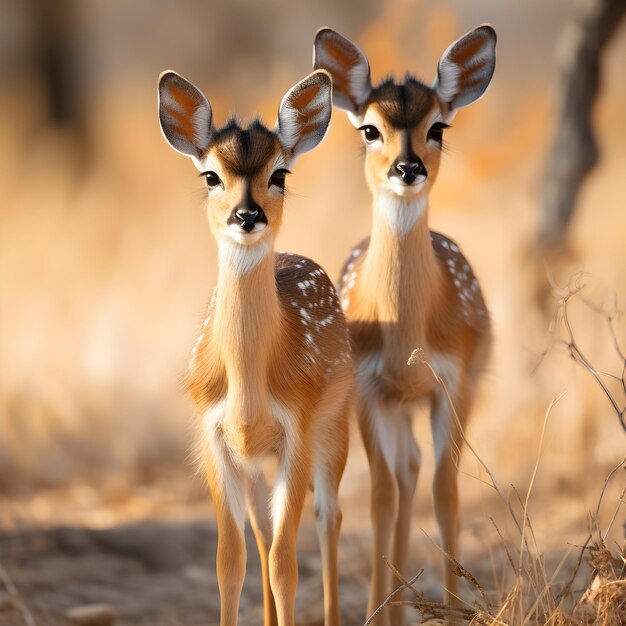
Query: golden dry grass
[[106, 265]]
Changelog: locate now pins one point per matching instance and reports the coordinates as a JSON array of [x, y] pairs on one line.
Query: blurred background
[[106, 259]]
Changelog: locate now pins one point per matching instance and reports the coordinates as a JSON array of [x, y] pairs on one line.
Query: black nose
[[409, 170], [247, 217]]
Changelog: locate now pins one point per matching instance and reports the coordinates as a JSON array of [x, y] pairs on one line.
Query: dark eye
[[278, 178], [370, 133], [212, 179], [436, 132]]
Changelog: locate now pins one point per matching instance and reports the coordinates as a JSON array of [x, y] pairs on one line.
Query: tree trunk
[[575, 151]]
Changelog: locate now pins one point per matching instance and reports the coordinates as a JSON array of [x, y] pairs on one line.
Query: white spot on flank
[[327, 320]]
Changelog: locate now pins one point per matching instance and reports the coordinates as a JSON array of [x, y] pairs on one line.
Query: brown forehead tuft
[[404, 105], [244, 151]]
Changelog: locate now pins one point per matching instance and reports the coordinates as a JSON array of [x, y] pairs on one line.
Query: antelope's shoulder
[[302, 283], [354, 260], [205, 376], [462, 282], [350, 272], [310, 305]]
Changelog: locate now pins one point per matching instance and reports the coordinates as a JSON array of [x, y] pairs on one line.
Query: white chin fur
[[404, 190], [241, 259], [246, 238], [401, 212]]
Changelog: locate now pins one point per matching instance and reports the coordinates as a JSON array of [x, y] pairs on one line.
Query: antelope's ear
[[304, 113], [348, 67], [466, 67], [184, 114]]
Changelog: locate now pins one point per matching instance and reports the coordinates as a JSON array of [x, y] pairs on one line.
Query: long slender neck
[[400, 269], [247, 317]]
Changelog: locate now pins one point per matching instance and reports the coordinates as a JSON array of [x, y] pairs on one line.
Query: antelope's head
[[244, 168], [403, 123]]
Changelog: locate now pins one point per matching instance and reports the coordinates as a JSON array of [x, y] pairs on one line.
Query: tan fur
[[271, 371], [402, 297], [379, 161], [407, 287], [255, 351]]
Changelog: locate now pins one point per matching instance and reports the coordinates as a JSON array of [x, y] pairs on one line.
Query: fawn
[[407, 287], [271, 372]]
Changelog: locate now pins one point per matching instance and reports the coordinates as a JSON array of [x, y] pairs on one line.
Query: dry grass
[[534, 598], [105, 268]]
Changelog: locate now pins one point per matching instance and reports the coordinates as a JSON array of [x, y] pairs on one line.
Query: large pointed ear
[[184, 114], [347, 65], [304, 113], [466, 67]]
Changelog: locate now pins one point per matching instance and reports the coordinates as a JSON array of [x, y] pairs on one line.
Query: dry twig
[[18, 599]]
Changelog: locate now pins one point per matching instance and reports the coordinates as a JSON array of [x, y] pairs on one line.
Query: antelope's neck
[[247, 320], [401, 270]]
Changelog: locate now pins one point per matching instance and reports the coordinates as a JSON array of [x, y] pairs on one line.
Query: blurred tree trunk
[[57, 60], [575, 151]]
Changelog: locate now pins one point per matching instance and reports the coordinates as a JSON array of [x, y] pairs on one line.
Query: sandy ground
[[149, 552]]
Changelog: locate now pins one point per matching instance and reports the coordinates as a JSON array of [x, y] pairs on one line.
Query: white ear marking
[[359, 77], [347, 65], [448, 85], [466, 68], [304, 113], [185, 115]]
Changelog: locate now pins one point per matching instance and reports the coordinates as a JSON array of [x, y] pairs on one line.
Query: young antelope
[[271, 371], [408, 287]]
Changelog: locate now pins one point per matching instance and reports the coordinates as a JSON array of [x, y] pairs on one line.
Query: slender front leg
[[328, 517], [448, 443], [287, 502], [407, 470], [378, 432], [228, 491], [258, 502]]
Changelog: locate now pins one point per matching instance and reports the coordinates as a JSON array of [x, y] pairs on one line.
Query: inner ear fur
[[304, 113], [466, 68], [348, 66], [185, 115]]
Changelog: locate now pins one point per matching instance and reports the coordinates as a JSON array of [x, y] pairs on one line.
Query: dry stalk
[[574, 289], [9, 585], [418, 356], [390, 597]]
